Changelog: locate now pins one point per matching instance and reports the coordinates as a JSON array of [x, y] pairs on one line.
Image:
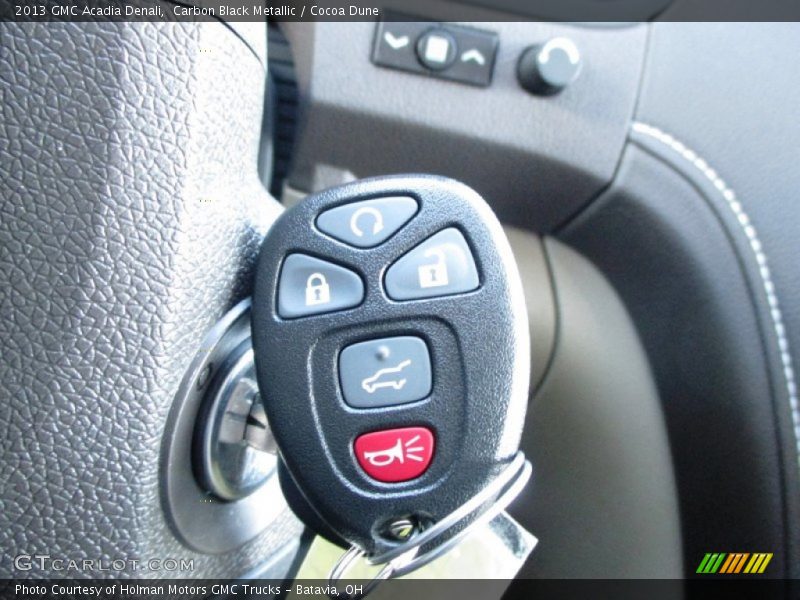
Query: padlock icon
[[434, 274], [317, 290]]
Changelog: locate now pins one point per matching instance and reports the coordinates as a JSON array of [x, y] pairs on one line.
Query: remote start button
[[395, 455], [368, 223]]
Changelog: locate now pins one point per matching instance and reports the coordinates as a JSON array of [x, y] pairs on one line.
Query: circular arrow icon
[[377, 226]]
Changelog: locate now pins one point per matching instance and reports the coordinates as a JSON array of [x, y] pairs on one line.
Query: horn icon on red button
[[395, 455]]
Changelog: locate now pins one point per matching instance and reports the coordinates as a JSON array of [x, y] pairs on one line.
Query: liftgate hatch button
[[395, 455], [385, 372]]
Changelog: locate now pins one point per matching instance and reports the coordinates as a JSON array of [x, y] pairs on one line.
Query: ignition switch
[[234, 450]]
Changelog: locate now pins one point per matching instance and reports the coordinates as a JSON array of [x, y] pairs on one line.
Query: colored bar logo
[[734, 563]]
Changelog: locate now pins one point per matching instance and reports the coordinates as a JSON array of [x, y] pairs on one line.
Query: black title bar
[[582, 11]]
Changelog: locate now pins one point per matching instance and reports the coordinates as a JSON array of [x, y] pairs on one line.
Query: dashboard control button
[[367, 223], [476, 55], [385, 372], [437, 49], [395, 45], [439, 266], [461, 54], [311, 286], [395, 455], [550, 67]]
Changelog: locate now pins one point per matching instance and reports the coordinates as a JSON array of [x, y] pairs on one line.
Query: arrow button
[[475, 56], [396, 42]]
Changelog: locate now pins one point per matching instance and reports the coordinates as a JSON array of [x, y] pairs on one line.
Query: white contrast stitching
[[761, 259]]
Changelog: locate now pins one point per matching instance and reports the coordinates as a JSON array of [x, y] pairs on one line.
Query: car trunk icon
[[386, 378]]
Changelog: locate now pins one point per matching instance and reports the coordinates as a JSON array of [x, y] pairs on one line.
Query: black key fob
[[392, 352]]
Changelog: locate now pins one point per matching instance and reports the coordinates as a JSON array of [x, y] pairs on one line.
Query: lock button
[[441, 265], [310, 286]]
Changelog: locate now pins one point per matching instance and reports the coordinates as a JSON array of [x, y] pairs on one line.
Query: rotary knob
[[548, 68]]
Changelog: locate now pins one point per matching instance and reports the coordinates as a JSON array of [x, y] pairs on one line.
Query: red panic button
[[395, 455]]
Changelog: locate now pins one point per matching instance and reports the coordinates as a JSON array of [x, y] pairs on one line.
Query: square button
[[437, 49], [385, 372]]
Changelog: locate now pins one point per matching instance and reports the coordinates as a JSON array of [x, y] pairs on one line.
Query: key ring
[[388, 571], [516, 469], [515, 487], [404, 559]]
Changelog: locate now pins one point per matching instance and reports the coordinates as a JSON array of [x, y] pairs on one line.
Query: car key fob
[[392, 353]]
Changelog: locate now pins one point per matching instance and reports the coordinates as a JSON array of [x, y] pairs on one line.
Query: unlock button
[[439, 266], [310, 286]]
